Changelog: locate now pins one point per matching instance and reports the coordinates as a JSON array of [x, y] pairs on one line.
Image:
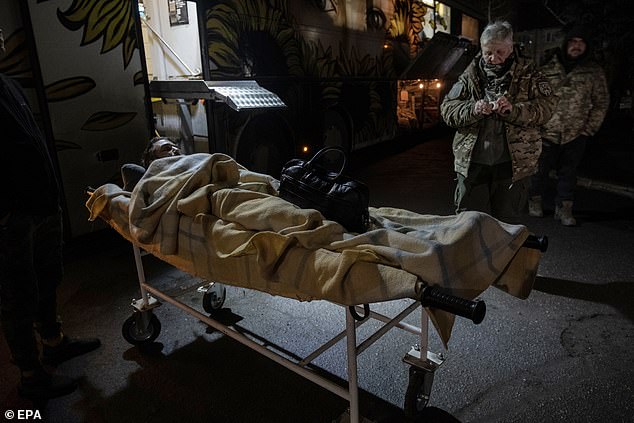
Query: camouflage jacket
[[583, 100], [533, 103]]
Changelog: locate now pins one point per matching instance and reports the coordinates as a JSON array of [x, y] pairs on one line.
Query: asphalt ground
[[562, 355]]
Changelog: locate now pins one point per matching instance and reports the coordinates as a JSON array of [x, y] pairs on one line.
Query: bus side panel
[[334, 74]]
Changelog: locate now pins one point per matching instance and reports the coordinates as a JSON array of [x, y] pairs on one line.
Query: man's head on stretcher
[[157, 148]]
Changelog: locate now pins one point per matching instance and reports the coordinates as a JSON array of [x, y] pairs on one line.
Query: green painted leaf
[[103, 121], [61, 145], [68, 88]]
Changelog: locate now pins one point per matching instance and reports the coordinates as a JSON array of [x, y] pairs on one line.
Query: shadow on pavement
[[616, 294], [222, 381], [212, 381]]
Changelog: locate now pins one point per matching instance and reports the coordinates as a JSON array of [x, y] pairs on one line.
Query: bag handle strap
[[323, 151]]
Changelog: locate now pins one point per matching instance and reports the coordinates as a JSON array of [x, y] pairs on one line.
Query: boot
[[535, 206], [66, 349], [37, 384], [564, 214]]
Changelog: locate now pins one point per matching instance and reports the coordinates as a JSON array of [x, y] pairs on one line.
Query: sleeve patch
[[456, 91], [544, 88]]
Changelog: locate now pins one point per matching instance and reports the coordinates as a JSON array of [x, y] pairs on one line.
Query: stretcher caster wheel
[[418, 391], [141, 328], [214, 297]]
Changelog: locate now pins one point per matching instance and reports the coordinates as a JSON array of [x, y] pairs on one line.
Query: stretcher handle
[[537, 243], [356, 316], [435, 297]]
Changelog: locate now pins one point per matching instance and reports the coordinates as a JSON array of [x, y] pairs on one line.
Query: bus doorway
[[237, 117]]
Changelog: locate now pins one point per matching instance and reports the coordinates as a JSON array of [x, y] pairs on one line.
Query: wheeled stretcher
[[210, 217]]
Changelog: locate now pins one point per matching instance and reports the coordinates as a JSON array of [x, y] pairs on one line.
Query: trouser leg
[[540, 181], [508, 198], [18, 290], [489, 189], [571, 156], [472, 192], [49, 271]]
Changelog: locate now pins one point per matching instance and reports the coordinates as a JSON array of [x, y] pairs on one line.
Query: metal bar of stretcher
[[389, 325], [353, 388], [391, 322], [424, 331], [401, 325], [326, 346], [140, 274], [352, 393], [332, 387]]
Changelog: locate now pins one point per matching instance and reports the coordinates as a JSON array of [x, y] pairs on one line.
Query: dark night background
[[611, 24]]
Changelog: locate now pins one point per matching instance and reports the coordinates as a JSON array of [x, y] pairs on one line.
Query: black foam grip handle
[[473, 310], [537, 243]]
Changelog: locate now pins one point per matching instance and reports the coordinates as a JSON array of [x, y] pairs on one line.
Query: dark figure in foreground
[[580, 84], [497, 106], [31, 252]]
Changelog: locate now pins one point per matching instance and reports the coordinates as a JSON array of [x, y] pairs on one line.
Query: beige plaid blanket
[[210, 217]]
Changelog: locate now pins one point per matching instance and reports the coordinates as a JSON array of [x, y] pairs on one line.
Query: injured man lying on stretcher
[[209, 216]]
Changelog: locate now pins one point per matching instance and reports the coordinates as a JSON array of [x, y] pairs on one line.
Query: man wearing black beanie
[[580, 84]]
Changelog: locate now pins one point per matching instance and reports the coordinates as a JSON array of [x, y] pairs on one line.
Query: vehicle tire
[[214, 298], [136, 335]]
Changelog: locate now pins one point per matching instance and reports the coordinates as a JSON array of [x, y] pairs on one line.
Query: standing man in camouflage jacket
[[497, 106], [582, 89]]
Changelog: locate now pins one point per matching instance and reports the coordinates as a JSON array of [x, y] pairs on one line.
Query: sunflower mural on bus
[[112, 23], [406, 24], [15, 62], [262, 39]]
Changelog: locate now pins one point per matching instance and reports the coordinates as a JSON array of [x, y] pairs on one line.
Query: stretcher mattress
[[210, 217]]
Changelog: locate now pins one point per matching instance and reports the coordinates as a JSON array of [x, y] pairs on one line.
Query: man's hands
[[502, 106], [482, 108]]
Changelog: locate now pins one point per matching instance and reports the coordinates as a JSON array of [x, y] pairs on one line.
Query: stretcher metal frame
[[423, 363], [143, 327]]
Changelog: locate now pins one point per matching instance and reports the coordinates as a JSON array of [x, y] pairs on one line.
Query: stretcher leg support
[[143, 327], [351, 342]]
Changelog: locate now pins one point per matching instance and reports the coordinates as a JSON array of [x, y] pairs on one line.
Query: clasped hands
[[501, 106]]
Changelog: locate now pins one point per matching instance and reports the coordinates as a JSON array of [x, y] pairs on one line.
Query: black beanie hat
[[575, 31], [578, 31]]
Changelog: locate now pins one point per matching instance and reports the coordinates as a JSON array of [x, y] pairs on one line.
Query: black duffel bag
[[310, 185]]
